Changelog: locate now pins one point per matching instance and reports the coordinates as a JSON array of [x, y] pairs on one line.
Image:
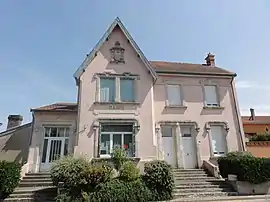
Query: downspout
[[237, 113]]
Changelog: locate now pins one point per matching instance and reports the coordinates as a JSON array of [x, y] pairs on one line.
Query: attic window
[[117, 53]]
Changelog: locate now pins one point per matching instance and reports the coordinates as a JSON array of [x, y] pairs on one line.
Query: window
[[174, 95], [127, 90], [219, 145], [107, 89], [166, 131], [210, 93], [113, 136]]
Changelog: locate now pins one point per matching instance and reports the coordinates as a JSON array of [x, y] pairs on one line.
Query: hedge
[[9, 177], [246, 167]]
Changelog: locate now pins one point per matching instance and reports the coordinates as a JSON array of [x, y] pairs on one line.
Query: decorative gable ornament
[[117, 53]]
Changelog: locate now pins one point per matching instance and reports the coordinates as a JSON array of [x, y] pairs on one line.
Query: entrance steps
[[196, 183], [34, 187]]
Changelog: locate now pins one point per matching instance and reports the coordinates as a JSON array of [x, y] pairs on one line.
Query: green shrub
[[119, 157], [159, 179], [246, 167], [238, 154], [120, 191], [261, 137], [79, 176], [129, 172], [10, 173]]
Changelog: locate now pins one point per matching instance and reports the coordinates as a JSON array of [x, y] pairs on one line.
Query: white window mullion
[[117, 89], [111, 143]]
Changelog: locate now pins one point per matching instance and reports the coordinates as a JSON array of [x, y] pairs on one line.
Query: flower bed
[[119, 180]]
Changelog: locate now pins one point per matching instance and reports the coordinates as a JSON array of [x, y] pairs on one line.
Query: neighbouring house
[[15, 140], [181, 112], [254, 126]]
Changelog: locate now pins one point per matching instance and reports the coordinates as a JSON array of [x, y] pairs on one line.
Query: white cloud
[[241, 84]]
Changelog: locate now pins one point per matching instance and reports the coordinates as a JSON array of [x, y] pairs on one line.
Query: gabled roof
[[257, 120], [59, 107], [188, 68], [11, 130], [91, 55]]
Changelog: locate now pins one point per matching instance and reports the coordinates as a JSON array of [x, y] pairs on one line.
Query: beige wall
[[14, 146], [259, 149], [42, 119], [89, 112], [192, 88]]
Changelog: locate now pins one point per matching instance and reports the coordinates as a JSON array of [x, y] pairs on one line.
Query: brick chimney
[[210, 59], [14, 121]]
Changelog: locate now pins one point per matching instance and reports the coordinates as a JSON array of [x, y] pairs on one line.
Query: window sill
[[176, 107], [116, 103], [213, 107]]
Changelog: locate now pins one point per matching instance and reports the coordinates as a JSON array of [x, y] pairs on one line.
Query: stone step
[[197, 178], [35, 184], [203, 194], [202, 186], [37, 180], [38, 174], [188, 170], [183, 174], [37, 177], [24, 190], [195, 182], [198, 190], [19, 200]]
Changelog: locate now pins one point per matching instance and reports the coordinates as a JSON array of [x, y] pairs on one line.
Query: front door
[[168, 145], [189, 151], [55, 145]]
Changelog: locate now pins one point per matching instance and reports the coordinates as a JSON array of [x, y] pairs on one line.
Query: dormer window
[[117, 53]]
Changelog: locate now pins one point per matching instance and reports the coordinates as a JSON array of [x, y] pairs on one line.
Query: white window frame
[[223, 134], [206, 104], [180, 93], [111, 142], [117, 78]]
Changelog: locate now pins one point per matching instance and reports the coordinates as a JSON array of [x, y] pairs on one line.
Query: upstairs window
[[107, 89], [127, 90], [211, 98], [174, 95]]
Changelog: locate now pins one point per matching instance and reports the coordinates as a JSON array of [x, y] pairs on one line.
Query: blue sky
[[43, 42]]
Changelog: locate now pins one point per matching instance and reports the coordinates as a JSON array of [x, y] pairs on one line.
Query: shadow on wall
[[14, 145]]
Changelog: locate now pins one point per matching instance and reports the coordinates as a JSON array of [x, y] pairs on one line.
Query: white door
[[189, 151], [168, 145], [55, 145]]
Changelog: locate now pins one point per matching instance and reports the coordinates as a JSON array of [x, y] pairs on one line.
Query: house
[[253, 126], [183, 113]]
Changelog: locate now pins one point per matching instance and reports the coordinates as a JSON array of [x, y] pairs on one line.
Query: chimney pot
[[252, 114], [210, 59], [14, 121]]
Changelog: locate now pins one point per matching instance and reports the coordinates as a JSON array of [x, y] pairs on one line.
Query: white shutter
[[104, 94], [211, 95], [174, 95], [218, 141]]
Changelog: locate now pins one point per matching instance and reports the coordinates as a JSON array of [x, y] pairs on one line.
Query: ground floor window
[[112, 136], [218, 141]]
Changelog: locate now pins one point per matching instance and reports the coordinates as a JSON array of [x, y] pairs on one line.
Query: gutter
[[238, 115], [193, 73]]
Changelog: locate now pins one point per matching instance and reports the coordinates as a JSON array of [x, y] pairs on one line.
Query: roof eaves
[[6, 132], [195, 73], [91, 55]]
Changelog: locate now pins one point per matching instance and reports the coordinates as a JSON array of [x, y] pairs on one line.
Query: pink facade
[[182, 134]]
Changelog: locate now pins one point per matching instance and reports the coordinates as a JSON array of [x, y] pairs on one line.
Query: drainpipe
[[238, 114]]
